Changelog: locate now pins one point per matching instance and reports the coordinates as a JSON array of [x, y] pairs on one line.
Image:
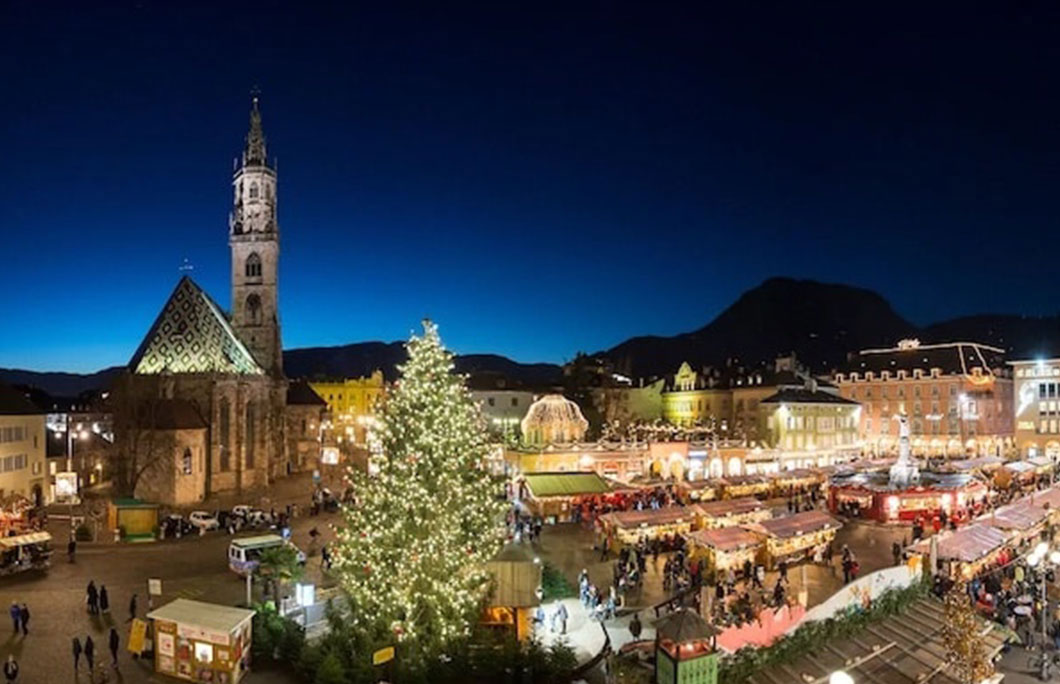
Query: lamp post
[[1040, 560], [840, 677]]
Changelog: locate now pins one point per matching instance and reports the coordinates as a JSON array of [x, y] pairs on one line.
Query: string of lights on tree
[[412, 553]]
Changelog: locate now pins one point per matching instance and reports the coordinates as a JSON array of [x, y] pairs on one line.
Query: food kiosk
[[1023, 473], [795, 536], [697, 490], [625, 528], [725, 547], [965, 552], [202, 642], [1021, 520], [25, 552], [731, 512], [799, 481]]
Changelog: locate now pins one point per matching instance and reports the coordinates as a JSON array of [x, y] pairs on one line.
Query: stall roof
[[797, 474], [648, 517], [23, 539], [967, 544], [1040, 461], [907, 648], [799, 523], [698, 484], [745, 479], [565, 484], [1021, 515], [973, 463], [1020, 466], [727, 507], [1047, 498], [725, 538], [208, 616], [684, 624]]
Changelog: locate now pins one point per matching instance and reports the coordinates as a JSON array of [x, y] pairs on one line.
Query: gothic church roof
[[192, 335]]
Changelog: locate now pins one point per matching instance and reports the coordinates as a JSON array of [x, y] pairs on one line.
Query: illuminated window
[[187, 462]]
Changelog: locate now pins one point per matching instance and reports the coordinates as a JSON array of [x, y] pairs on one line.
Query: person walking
[[114, 647], [23, 618], [104, 599], [132, 608], [635, 627], [15, 615], [77, 653], [11, 668], [71, 547], [90, 652], [93, 598]]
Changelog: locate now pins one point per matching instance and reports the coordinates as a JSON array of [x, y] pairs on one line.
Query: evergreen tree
[[962, 635], [412, 553]]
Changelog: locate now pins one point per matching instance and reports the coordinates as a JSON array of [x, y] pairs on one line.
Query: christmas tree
[[962, 636], [412, 553]]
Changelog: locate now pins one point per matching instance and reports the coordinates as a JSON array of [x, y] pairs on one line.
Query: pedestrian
[[782, 568], [104, 599], [90, 652], [71, 547], [132, 608], [11, 668], [635, 627], [114, 647], [92, 598], [896, 552], [561, 615], [15, 615], [23, 618]]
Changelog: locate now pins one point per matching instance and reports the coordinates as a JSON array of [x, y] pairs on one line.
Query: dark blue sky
[[537, 178]]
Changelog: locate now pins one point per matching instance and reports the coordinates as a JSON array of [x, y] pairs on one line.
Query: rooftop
[[207, 616], [952, 358]]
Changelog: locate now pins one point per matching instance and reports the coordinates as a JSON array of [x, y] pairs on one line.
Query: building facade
[[504, 410], [809, 420], [696, 398], [22, 448], [1036, 407], [352, 404], [958, 397]]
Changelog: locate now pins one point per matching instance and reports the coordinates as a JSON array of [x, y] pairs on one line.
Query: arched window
[[226, 434], [252, 268], [187, 461], [254, 309], [253, 191]]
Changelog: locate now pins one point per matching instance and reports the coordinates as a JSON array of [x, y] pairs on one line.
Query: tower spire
[[254, 154]]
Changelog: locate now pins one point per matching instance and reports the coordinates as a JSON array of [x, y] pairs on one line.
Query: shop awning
[[1021, 515], [1049, 498], [798, 524], [650, 517], [565, 484], [907, 648], [967, 544], [1020, 467], [207, 616], [725, 538]]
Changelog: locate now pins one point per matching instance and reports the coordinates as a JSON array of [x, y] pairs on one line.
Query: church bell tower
[[254, 238]]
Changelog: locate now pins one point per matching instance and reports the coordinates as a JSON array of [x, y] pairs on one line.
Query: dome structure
[[554, 419]]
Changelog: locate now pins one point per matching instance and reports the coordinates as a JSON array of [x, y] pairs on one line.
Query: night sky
[[539, 179]]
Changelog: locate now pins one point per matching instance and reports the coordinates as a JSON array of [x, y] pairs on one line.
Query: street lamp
[[840, 677]]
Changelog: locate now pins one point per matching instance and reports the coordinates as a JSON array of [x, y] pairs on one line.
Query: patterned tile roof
[[192, 335]]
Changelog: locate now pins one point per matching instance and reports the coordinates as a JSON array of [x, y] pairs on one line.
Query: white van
[[244, 554]]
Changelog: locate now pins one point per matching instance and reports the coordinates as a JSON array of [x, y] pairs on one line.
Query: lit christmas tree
[[412, 554], [962, 635]]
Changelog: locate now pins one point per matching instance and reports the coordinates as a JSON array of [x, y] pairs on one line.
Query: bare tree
[[139, 445]]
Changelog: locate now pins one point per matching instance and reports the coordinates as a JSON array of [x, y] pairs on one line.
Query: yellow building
[[809, 419], [352, 404], [690, 400], [22, 447]]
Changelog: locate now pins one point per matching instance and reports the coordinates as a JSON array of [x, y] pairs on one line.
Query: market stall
[[553, 495], [1023, 473], [740, 486], [697, 490], [799, 481], [625, 528], [725, 547], [22, 552], [794, 537], [965, 552], [983, 464], [731, 512], [870, 495], [136, 520], [202, 642], [1021, 520]]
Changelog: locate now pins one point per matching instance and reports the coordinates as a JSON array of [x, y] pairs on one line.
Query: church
[[204, 406]]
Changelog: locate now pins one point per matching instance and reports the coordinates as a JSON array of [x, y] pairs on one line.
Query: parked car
[[175, 525], [242, 511], [204, 520]]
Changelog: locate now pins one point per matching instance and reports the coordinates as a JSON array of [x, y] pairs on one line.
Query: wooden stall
[[794, 537], [1023, 473], [698, 490], [137, 520], [741, 486], [966, 551], [731, 512], [625, 528], [552, 495], [725, 547], [1021, 520], [516, 574], [799, 481], [202, 642]]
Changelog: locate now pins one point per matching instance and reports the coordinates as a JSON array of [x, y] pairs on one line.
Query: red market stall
[[725, 548], [870, 495], [626, 528]]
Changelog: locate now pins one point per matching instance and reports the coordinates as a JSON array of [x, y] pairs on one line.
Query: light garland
[[413, 550]]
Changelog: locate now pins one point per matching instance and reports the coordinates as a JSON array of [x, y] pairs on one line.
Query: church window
[[187, 462], [252, 268], [253, 191], [250, 436], [254, 309], [226, 436]]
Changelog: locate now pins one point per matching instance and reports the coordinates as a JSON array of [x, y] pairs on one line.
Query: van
[[245, 554]]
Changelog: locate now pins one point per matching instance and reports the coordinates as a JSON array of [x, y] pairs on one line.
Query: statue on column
[[905, 472]]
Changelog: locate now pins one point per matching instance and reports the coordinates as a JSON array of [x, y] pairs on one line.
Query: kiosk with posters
[[202, 642]]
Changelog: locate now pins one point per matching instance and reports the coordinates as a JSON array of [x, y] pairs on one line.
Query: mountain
[[820, 322], [60, 384], [1020, 336]]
